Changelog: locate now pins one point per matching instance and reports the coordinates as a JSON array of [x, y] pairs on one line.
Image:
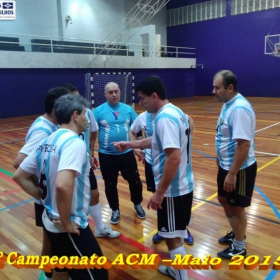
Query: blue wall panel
[[235, 43], [23, 90]]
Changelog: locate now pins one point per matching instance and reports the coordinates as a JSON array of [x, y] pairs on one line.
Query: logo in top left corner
[[7, 10]]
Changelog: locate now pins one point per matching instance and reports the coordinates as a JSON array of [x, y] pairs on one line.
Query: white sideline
[[267, 127]]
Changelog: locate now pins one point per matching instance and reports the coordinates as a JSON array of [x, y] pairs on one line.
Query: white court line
[[276, 155], [267, 127]]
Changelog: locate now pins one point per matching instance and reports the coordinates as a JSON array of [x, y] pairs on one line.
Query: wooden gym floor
[[18, 232]]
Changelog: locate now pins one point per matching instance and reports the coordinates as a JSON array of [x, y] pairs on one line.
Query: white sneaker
[[107, 232], [167, 270]]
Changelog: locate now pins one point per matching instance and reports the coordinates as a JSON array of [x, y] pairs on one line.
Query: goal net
[[95, 84]]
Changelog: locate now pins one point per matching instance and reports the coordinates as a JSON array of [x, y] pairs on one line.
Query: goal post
[[95, 84]]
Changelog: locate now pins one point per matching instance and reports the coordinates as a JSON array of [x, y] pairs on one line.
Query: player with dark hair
[[41, 128], [236, 160], [172, 168], [145, 122]]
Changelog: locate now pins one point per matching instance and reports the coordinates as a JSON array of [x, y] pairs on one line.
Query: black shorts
[[245, 182], [175, 215], [39, 209], [69, 244], [92, 180], [150, 180]]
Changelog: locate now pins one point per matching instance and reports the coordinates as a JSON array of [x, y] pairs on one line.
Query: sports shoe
[[167, 270], [231, 252], [140, 212], [157, 238], [115, 219], [189, 239], [227, 239], [107, 232]]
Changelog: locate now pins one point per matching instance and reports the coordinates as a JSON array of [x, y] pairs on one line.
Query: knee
[[94, 197], [173, 243], [223, 201], [235, 210]]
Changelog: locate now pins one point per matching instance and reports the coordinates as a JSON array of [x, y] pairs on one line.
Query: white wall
[[32, 17], [159, 20], [136, 39], [28, 60], [91, 20]]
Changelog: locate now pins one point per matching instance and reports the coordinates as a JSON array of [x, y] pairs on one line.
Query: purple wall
[[23, 90], [173, 4], [235, 43]]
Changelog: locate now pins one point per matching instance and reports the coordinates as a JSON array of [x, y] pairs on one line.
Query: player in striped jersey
[[89, 136], [58, 161], [145, 121], [235, 159], [172, 168], [41, 128]]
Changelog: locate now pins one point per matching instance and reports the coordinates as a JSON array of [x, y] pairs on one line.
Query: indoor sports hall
[[88, 43]]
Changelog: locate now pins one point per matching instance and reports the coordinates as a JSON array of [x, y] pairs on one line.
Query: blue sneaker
[[115, 219], [140, 211], [157, 238], [189, 239]]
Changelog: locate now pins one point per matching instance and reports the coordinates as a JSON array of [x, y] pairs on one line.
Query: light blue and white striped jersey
[[172, 131], [237, 120], [39, 130], [92, 127], [145, 121], [114, 123], [63, 150]]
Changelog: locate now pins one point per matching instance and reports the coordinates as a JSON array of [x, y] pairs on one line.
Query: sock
[[48, 275], [239, 245], [181, 274], [95, 212]]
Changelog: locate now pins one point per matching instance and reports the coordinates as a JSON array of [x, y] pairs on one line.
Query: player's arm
[[93, 137], [92, 141], [241, 123], [137, 152], [191, 124], [25, 182], [64, 193], [140, 144], [18, 160], [171, 164]]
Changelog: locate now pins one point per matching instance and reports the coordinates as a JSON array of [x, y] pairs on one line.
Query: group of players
[[62, 165]]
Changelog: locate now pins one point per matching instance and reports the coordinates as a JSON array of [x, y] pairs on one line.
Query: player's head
[[224, 85], [71, 88], [51, 96], [150, 91], [112, 93], [71, 109]]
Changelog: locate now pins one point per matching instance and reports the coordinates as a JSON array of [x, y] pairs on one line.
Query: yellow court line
[[207, 199], [267, 164]]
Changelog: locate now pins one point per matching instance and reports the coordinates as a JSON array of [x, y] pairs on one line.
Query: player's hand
[[139, 153], [155, 201], [122, 145], [94, 163], [71, 227], [230, 182]]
